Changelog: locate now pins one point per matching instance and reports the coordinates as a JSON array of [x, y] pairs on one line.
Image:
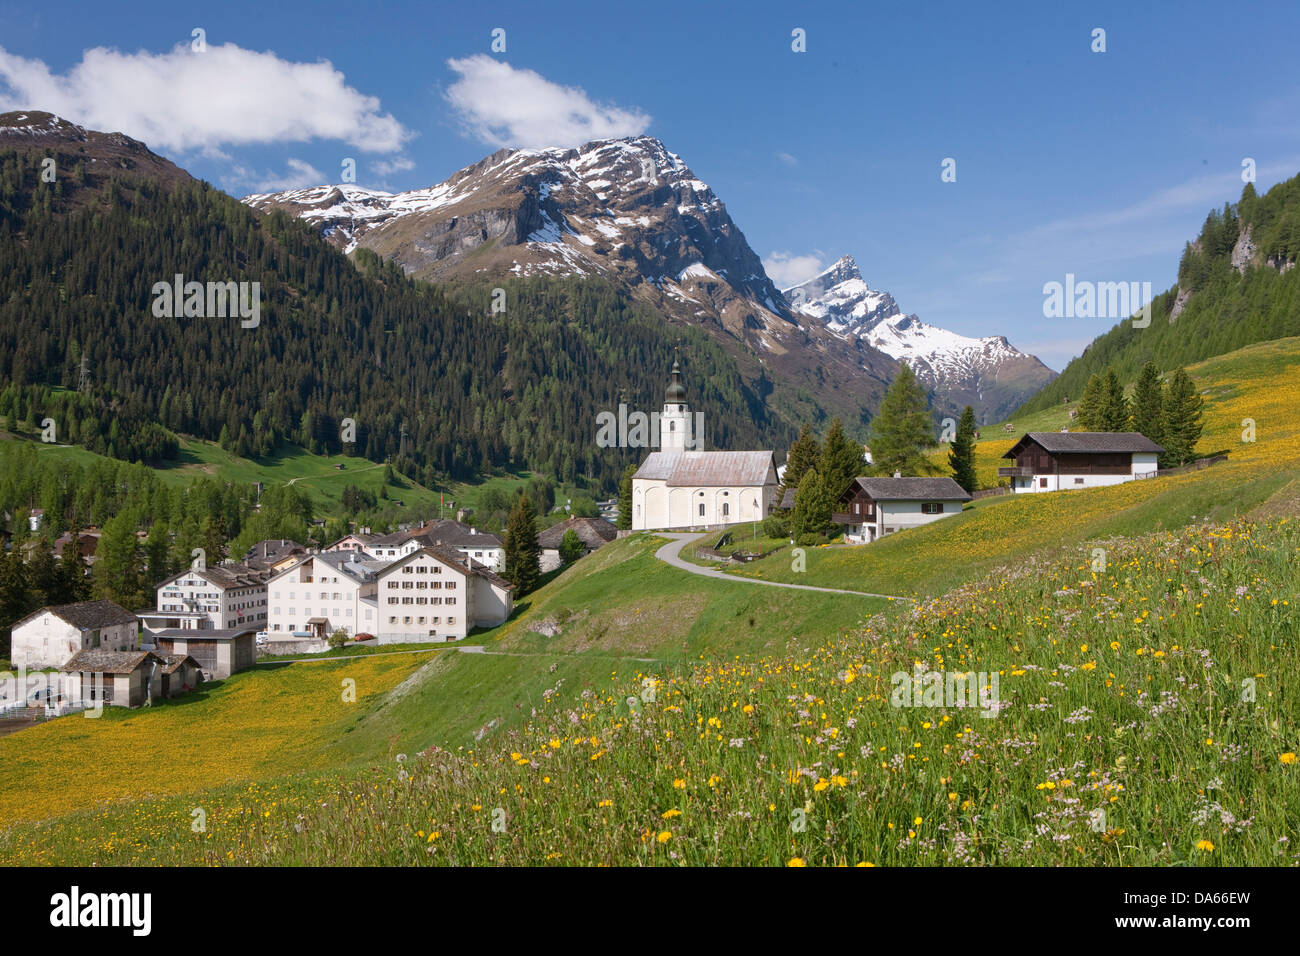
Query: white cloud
[[185, 100], [385, 167], [503, 106], [301, 173], [787, 159], [787, 269]]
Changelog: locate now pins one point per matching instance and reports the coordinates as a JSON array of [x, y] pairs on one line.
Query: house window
[[1078, 481], [1042, 482], [701, 509], [726, 508], [931, 508]]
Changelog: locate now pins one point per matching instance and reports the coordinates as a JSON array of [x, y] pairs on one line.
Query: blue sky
[[1068, 161]]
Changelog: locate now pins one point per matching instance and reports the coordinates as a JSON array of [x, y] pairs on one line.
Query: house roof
[[453, 534], [86, 615], [1087, 442], [912, 489], [456, 561], [707, 469], [173, 662], [592, 532], [204, 633], [225, 576], [108, 662]]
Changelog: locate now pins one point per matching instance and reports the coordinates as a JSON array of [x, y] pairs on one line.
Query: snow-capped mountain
[[988, 373], [625, 210]]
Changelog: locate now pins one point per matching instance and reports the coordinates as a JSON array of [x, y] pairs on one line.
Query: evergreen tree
[[15, 601], [571, 547], [813, 505], [804, 454], [522, 550], [841, 460], [1149, 404], [43, 575], [961, 457], [903, 430], [1092, 405], [1183, 409], [74, 581], [117, 563], [1115, 417], [625, 499]]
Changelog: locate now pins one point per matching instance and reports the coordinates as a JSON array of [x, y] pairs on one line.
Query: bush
[[776, 526], [338, 638], [810, 540]]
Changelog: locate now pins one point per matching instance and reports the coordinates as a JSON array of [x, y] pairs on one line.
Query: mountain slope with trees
[[1237, 285]]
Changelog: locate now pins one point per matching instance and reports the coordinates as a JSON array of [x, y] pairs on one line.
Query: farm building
[[48, 637], [871, 508], [592, 532], [1056, 461], [126, 678], [219, 652]]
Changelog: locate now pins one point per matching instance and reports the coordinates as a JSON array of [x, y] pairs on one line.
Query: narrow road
[[671, 554]]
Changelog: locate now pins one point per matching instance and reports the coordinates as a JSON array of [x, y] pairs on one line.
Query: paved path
[[440, 648], [670, 553]]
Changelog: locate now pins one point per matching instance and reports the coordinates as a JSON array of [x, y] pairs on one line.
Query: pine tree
[[961, 457], [1149, 404], [903, 430], [522, 550], [1092, 405], [804, 454], [571, 547], [117, 563], [1183, 409], [624, 522], [15, 602], [813, 504], [43, 575], [74, 582], [841, 460], [1115, 413]]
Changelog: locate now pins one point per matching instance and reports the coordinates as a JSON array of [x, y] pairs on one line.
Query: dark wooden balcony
[[1015, 471]]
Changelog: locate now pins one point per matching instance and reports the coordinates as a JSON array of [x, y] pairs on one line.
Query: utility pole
[[83, 375]]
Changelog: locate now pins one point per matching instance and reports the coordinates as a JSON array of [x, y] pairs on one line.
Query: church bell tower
[[675, 421]]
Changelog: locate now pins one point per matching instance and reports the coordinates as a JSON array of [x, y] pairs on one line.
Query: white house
[[1057, 461], [472, 544], [51, 636], [320, 593], [871, 508], [677, 488], [435, 594], [218, 596]]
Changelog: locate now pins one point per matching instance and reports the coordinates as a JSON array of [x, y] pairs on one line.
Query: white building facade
[[220, 596], [321, 593], [51, 636], [682, 486], [432, 595]]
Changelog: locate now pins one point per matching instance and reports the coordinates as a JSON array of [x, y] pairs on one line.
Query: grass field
[[1142, 638]]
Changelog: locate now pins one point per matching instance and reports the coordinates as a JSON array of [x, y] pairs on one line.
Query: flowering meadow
[[1144, 713]]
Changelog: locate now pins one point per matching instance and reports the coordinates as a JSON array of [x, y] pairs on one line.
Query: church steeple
[[675, 422]]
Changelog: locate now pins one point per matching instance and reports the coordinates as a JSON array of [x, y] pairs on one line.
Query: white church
[[682, 486]]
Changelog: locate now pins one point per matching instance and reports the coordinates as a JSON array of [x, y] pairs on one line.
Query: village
[[440, 581]]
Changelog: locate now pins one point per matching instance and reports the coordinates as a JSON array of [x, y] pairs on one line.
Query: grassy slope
[[612, 590], [1261, 382]]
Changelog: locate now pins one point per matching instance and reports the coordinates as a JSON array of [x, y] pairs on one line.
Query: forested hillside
[[473, 390], [1237, 285]]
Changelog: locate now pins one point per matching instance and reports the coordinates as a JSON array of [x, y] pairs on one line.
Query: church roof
[[707, 469], [676, 391]]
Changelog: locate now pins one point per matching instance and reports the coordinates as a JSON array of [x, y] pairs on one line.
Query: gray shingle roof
[[708, 469], [87, 615], [107, 662], [1086, 442], [592, 532], [453, 534], [913, 489]]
